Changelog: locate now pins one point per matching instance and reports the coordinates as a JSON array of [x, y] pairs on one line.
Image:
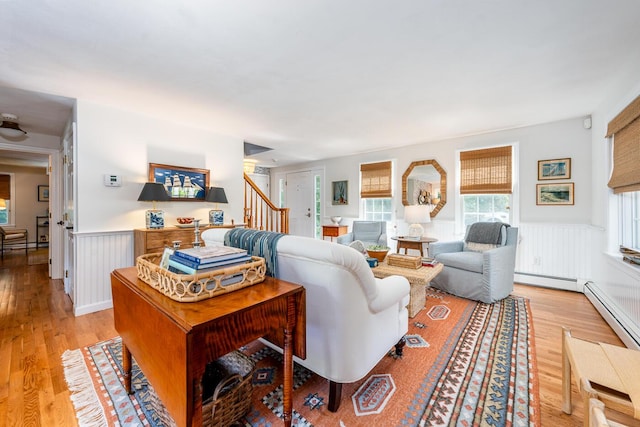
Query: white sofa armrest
[[391, 290]]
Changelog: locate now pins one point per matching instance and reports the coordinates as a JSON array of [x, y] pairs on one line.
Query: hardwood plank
[[37, 325]]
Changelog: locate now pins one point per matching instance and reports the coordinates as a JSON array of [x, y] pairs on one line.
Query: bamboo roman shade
[[625, 128], [5, 187], [486, 171], [375, 180]]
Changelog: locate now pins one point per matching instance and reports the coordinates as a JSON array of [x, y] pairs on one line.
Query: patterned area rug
[[465, 363]]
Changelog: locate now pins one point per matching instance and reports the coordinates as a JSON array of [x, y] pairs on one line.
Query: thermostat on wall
[[112, 180]]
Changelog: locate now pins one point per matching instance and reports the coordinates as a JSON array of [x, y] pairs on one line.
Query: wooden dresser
[[152, 240]]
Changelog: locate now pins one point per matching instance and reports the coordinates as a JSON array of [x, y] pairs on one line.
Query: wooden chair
[[609, 373], [598, 417], [14, 235]]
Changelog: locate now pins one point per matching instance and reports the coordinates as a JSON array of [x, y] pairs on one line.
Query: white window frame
[[460, 228]]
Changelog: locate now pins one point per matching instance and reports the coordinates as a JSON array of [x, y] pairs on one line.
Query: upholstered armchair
[[14, 235], [478, 270], [353, 319], [368, 232]]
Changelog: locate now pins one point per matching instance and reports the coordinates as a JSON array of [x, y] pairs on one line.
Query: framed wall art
[[182, 183], [555, 194], [340, 192], [43, 193], [554, 169]]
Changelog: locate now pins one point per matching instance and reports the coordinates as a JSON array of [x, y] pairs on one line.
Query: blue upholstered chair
[[482, 266], [368, 232]]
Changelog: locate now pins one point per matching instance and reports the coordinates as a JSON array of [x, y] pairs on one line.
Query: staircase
[[260, 213]]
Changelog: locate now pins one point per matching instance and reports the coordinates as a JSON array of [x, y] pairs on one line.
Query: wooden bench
[[607, 372]]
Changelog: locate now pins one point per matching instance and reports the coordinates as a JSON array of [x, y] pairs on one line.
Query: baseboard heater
[[619, 322], [547, 281]]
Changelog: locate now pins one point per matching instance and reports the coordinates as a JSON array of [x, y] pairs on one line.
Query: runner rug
[[465, 363]]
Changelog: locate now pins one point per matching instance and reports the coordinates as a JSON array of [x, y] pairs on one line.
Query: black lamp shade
[[153, 192], [216, 195]]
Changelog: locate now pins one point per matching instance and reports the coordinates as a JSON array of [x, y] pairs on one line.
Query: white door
[[68, 197], [301, 203]]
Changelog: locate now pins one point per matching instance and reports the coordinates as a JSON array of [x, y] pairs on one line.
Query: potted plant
[[378, 252]]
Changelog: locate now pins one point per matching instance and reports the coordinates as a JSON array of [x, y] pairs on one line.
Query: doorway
[[303, 197]]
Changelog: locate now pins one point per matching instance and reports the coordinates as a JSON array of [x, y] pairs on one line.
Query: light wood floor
[[37, 326]]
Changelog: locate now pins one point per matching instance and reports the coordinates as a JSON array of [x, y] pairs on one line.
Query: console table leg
[[287, 403], [126, 366]]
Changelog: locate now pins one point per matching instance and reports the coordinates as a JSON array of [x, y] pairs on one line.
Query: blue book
[[184, 269], [200, 266], [210, 254]]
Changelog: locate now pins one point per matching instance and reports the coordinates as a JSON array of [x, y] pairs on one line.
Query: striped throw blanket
[[257, 243]]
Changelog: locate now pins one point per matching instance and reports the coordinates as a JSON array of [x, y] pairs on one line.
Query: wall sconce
[[10, 127], [249, 166], [416, 215], [154, 192], [216, 195]]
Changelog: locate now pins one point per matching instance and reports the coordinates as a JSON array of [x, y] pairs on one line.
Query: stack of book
[[206, 259], [428, 262]]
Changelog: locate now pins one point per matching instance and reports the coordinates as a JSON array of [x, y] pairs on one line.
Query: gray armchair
[[481, 271], [368, 232]]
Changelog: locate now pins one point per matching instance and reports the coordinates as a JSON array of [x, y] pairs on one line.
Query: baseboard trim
[[600, 303], [548, 282]]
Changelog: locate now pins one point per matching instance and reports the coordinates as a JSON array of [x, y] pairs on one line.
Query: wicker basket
[[199, 286], [406, 261], [231, 377]]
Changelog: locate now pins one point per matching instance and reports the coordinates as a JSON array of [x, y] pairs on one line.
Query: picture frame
[[560, 193], [340, 192], [192, 183], [43, 193], [554, 169]]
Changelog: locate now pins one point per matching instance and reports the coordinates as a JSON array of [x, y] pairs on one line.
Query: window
[[629, 221], [485, 207], [486, 186], [625, 175], [378, 209], [376, 191], [5, 196]]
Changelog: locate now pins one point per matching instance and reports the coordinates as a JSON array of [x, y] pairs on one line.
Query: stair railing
[[260, 213]]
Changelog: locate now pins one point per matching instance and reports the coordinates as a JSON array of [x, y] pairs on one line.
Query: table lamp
[[417, 215], [154, 192], [216, 195]]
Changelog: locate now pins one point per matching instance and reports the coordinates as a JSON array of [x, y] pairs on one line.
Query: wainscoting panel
[[561, 252], [97, 255]]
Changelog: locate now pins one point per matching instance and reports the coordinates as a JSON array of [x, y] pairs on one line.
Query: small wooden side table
[[332, 231], [406, 243], [418, 278]]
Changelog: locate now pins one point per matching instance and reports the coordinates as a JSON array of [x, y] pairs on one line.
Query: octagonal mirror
[[425, 183]]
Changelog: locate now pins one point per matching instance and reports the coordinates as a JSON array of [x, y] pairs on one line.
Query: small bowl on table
[[185, 220], [378, 253]]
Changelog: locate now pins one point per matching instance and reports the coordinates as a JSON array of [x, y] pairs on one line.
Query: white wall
[[566, 138], [114, 141]]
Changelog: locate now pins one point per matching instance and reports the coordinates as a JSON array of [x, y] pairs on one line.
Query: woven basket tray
[[406, 261], [197, 287]]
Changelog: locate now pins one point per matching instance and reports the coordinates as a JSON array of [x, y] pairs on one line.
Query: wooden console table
[[152, 240], [332, 231], [173, 341], [406, 244]]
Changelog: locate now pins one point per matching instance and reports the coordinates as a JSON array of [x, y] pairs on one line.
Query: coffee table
[[418, 278]]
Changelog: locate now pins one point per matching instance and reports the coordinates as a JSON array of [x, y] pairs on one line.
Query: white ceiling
[[321, 78]]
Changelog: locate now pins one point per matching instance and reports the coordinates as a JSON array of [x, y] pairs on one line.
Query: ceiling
[[319, 78]]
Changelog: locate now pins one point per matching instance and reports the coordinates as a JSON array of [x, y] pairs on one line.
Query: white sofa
[[353, 319]]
